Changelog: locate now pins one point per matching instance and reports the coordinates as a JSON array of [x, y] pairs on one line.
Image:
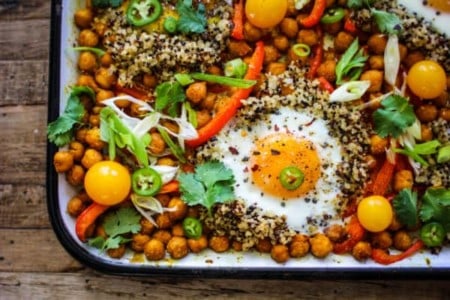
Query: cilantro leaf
[[405, 205], [351, 63], [211, 183], [191, 20], [436, 206], [359, 3], [395, 115], [168, 94], [387, 22], [106, 3]]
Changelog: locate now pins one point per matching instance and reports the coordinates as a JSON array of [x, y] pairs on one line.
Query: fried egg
[[257, 154]]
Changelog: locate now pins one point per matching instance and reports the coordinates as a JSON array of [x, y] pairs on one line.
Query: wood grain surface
[[33, 264]]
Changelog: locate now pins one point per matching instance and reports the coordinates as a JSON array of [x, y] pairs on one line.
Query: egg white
[[236, 142]]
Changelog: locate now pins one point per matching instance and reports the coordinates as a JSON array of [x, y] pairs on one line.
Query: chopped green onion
[[184, 79], [192, 114], [349, 91], [234, 82], [443, 154], [235, 68], [175, 148], [301, 50], [99, 52], [333, 15]]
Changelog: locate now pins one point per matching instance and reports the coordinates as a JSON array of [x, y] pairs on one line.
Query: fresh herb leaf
[[106, 3], [351, 63], [359, 3], [97, 51], [234, 82], [191, 114], [395, 115], [405, 205], [168, 95], [60, 131], [387, 22], [415, 153], [191, 20], [436, 207], [443, 154], [174, 147], [211, 183]]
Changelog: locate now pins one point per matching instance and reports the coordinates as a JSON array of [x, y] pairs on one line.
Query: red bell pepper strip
[[355, 234], [382, 257], [325, 85], [229, 110], [383, 178], [349, 25], [316, 14], [238, 21], [315, 62], [169, 187], [136, 93], [87, 218]]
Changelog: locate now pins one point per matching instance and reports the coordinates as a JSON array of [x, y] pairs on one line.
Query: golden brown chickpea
[[163, 235], [63, 161], [426, 133], [427, 112], [335, 232], [280, 253], [157, 144], [332, 28], [172, 126], [209, 101], [299, 247], [179, 209], [94, 120], [308, 37], [80, 134], [271, 54], [177, 230], [362, 251], [164, 199], [444, 113], [166, 161], [343, 41], [236, 246], [91, 157], [292, 56], [177, 247], [252, 33], [198, 245], [149, 80], [76, 149], [105, 78], [87, 80], [219, 243], [214, 70], [378, 144], [154, 250], [402, 240], [239, 48], [289, 27], [403, 179], [377, 43], [83, 18], [395, 224], [382, 240], [376, 62], [106, 60], [327, 69], [442, 100], [376, 80], [203, 118], [413, 57], [276, 68], [87, 61], [321, 245], [75, 206], [75, 175], [103, 95], [264, 245], [403, 51], [291, 10], [87, 38], [147, 227], [117, 252], [92, 138], [138, 242], [163, 220], [281, 43], [371, 161]]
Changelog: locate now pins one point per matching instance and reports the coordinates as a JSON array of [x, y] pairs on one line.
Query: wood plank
[[23, 82], [23, 140], [25, 10], [90, 285]]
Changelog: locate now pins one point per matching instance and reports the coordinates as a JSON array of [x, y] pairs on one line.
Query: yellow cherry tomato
[[265, 13], [427, 79], [107, 182], [375, 213]]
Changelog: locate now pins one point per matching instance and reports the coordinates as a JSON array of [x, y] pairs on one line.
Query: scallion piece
[[234, 82], [99, 52], [235, 68], [301, 50]]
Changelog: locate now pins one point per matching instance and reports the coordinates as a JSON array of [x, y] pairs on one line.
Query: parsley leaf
[[116, 224], [191, 20], [168, 94], [395, 115], [211, 183], [351, 63], [106, 3], [436, 206], [387, 22], [60, 131], [405, 205]]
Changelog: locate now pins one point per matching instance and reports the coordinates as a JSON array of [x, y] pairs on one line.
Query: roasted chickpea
[[321, 245], [117, 252], [362, 251], [219, 243], [343, 41], [80, 134], [91, 157], [444, 114], [203, 118], [402, 240], [179, 209], [76, 149], [177, 230], [147, 227], [377, 43], [236, 246], [163, 220], [162, 235], [177, 247], [106, 60], [87, 38], [395, 224], [198, 245], [281, 43], [403, 179], [376, 80], [413, 57], [209, 101], [308, 37], [327, 69], [280, 253], [83, 18], [289, 27], [299, 247], [376, 62], [239, 48], [103, 95], [276, 68], [154, 250], [138, 242], [87, 80], [252, 33], [94, 120], [63, 161], [378, 144], [382, 240], [87, 61], [75, 206], [442, 99], [332, 28], [335, 232], [164, 199], [105, 78], [166, 161], [271, 54], [157, 144], [426, 133], [427, 112], [75, 175], [264, 245], [93, 138]]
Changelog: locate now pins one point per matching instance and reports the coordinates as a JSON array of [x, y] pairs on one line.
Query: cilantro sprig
[[394, 116], [211, 183], [436, 207], [117, 224], [405, 205], [60, 131], [168, 95], [191, 20]]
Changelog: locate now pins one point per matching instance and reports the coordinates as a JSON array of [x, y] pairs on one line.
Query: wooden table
[[33, 264]]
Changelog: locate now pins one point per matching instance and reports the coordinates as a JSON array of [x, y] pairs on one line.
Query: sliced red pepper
[[325, 85], [349, 25], [169, 187], [317, 58], [229, 110], [355, 234], [136, 93], [382, 257], [238, 21], [383, 178], [316, 14], [87, 218]]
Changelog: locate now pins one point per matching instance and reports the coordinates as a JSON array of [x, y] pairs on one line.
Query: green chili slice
[[432, 234], [301, 50], [170, 24], [143, 12], [291, 177], [333, 15], [192, 228], [146, 182]]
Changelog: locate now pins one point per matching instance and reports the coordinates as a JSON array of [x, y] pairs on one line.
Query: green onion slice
[[301, 50]]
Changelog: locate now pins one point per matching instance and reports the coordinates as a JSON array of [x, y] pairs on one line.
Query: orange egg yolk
[[441, 5], [275, 152]]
